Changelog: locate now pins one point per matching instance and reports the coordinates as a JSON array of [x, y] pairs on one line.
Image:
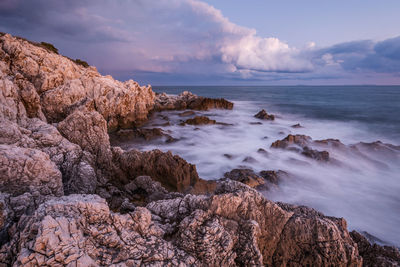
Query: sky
[[220, 42]]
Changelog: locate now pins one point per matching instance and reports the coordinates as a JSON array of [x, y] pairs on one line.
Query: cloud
[[179, 40]]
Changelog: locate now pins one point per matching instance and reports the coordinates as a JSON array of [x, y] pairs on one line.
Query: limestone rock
[[174, 173], [187, 100], [54, 85]]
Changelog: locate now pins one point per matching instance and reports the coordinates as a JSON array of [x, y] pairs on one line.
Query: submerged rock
[[187, 113], [199, 120], [274, 177], [263, 115], [296, 126], [300, 144]]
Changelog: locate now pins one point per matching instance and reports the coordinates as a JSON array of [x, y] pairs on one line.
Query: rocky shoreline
[[68, 197]]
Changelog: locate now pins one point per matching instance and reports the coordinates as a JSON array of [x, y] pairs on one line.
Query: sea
[[363, 187]]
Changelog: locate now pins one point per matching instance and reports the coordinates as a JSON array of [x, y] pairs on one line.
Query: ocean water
[[361, 185]]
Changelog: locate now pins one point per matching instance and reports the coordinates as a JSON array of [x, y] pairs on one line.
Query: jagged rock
[[300, 140], [315, 154], [245, 176], [174, 173], [55, 85], [187, 100], [274, 177], [236, 227], [146, 134], [293, 142], [375, 255], [263, 115], [199, 120], [28, 170], [80, 230]]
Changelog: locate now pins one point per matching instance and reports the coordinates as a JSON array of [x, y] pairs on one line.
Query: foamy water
[[362, 188]]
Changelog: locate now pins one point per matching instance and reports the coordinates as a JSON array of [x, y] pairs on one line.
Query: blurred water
[[362, 187]]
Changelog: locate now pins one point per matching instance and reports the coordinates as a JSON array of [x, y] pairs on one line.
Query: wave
[[360, 185]]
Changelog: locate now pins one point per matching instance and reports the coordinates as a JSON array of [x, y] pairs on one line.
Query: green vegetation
[[81, 62], [49, 47]]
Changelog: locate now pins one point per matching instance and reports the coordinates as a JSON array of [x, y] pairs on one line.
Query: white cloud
[[243, 48]]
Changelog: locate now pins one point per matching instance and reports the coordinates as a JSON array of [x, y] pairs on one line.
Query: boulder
[[263, 115]]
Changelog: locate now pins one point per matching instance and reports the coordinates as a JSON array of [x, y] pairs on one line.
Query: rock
[[255, 123], [28, 170], [315, 154], [174, 173], [296, 126], [187, 100], [80, 230], [249, 160], [262, 151], [198, 120], [52, 86], [293, 142], [375, 255], [263, 115], [228, 156], [146, 134], [300, 140], [235, 227], [187, 113], [245, 176], [274, 177]]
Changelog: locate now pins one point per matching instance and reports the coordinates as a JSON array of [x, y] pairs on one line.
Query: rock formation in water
[[187, 100], [263, 115], [67, 197]]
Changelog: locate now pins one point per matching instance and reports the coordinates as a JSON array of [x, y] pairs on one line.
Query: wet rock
[[187, 113], [228, 156], [249, 160], [263, 115], [315, 154], [187, 100], [300, 140], [299, 144], [274, 177], [375, 255], [262, 151], [334, 143], [296, 126], [245, 176], [199, 120]]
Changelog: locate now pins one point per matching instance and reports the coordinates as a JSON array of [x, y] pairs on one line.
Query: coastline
[[68, 196]]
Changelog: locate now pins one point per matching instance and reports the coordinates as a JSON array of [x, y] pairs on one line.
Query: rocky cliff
[[67, 197]]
